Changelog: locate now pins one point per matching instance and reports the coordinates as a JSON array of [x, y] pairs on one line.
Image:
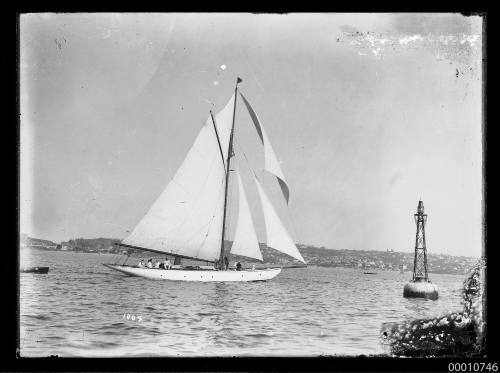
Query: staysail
[[277, 236], [245, 239], [272, 164], [186, 219]]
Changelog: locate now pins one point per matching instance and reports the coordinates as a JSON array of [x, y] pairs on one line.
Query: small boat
[[189, 219], [370, 273], [35, 270]]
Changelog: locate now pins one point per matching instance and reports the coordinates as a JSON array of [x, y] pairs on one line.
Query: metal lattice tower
[[420, 261]]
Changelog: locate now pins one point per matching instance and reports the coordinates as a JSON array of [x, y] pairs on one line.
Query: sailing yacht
[[188, 220]]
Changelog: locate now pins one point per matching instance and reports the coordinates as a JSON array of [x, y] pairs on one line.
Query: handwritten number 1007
[[128, 316]]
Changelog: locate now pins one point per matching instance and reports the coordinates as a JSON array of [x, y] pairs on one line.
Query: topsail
[[272, 164]]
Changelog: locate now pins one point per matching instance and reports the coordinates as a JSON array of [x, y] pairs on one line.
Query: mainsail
[[186, 219], [245, 240], [277, 236], [272, 164]]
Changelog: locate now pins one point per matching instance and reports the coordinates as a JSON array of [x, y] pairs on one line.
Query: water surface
[[78, 309]]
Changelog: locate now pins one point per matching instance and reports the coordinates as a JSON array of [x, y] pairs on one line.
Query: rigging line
[[162, 253], [113, 258], [245, 156], [256, 201], [218, 140], [118, 256], [230, 203], [242, 151], [126, 259], [119, 259], [293, 224], [229, 155], [248, 162], [209, 225], [210, 222]]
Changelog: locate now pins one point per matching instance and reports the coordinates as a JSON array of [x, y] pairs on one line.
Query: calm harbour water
[[77, 309]]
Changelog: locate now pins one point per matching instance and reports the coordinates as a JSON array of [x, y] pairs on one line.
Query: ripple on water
[[207, 314], [302, 312], [39, 317], [101, 344], [110, 303], [257, 335]]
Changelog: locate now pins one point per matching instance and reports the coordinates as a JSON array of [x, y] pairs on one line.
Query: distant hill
[[318, 256], [38, 243], [384, 260], [103, 245]]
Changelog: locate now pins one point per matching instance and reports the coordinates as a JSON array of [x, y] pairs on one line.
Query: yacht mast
[[228, 164]]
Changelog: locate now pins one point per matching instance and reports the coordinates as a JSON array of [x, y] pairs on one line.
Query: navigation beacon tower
[[420, 286]]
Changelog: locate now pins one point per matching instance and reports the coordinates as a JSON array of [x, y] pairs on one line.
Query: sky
[[367, 113]]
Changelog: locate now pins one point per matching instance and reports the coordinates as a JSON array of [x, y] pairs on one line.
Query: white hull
[[198, 275]]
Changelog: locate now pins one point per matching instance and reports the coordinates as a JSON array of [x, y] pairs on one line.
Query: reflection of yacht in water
[[188, 220]]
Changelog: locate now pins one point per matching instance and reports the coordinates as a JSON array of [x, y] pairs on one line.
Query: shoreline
[[284, 266]]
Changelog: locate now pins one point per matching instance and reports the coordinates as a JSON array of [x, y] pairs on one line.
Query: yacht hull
[[198, 275]]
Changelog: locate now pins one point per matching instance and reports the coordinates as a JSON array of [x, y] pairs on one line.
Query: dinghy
[[42, 270], [189, 218]]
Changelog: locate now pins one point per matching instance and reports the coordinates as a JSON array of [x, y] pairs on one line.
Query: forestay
[[186, 219]]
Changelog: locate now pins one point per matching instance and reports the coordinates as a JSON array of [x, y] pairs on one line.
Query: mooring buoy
[[420, 286], [420, 289]]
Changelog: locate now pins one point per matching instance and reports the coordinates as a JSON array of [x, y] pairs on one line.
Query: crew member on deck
[[141, 263], [157, 264], [150, 263], [226, 263], [167, 264], [238, 266]]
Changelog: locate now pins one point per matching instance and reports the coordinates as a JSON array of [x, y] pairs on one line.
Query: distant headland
[[389, 260]]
